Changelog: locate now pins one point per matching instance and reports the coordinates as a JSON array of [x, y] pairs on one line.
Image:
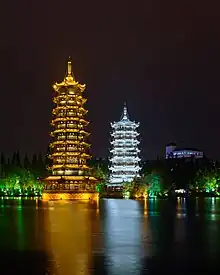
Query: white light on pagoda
[[124, 153]]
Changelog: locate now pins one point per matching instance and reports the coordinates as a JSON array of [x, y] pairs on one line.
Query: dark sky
[[162, 57]]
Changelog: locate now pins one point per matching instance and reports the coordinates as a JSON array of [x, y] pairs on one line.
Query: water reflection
[[109, 237], [181, 208], [122, 236], [20, 226], [21, 251], [70, 230]]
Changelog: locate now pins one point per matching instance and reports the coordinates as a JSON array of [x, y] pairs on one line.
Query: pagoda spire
[[69, 68], [125, 112]]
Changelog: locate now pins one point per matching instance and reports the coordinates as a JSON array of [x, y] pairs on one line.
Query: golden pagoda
[[70, 176]]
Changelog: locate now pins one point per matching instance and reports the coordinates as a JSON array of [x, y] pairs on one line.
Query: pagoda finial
[[70, 75], [69, 67], [125, 112]]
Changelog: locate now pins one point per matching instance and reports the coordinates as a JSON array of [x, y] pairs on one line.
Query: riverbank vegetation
[[21, 176], [174, 177]]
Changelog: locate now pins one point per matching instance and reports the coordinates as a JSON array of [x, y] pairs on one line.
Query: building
[[70, 175], [124, 159], [173, 152]]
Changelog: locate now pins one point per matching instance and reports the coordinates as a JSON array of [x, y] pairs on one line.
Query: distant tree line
[[158, 177], [179, 172], [36, 164]]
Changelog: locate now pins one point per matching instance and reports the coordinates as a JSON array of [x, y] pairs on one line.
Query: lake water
[[113, 236]]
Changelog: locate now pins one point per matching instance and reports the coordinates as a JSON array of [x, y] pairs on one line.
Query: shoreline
[[116, 196]]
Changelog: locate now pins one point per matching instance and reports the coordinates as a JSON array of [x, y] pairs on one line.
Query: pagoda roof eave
[[125, 123], [69, 82]]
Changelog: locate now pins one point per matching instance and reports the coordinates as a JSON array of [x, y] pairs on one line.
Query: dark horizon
[[162, 58]]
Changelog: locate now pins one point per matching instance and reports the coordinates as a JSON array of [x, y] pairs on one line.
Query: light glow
[[69, 149], [124, 154]]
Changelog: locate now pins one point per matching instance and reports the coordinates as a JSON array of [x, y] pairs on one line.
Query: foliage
[[208, 180], [99, 173], [154, 184], [21, 182], [128, 189], [140, 190], [100, 187]]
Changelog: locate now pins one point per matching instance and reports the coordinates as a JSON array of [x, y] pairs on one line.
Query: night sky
[[161, 57]]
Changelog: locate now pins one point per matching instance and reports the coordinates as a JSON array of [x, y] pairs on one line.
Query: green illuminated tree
[[208, 180], [128, 189], [23, 182], [101, 176], [154, 184], [140, 190], [99, 173]]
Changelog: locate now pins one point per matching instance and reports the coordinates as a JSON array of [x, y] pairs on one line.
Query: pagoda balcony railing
[[126, 140], [62, 187], [69, 114], [68, 191], [125, 169], [69, 125], [125, 146], [82, 185], [70, 149], [125, 133], [69, 101], [117, 127], [124, 154], [72, 137], [65, 161]]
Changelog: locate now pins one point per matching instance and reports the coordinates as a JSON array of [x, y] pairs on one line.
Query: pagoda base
[[50, 196], [70, 188]]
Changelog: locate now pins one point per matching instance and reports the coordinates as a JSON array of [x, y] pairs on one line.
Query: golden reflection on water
[[69, 226], [146, 234], [145, 207], [181, 208]]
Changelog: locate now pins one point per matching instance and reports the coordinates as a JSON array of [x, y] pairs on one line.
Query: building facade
[[173, 152]]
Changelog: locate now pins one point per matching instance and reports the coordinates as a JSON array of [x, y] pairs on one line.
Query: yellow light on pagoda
[[69, 147]]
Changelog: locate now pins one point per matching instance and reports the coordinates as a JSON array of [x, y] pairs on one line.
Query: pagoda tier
[[124, 158], [69, 148]]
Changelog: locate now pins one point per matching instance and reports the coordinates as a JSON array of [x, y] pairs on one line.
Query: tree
[[48, 161], [154, 183], [128, 189], [3, 164], [21, 182], [18, 161], [208, 180], [34, 161], [26, 162], [99, 173], [15, 164], [140, 190], [14, 158], [102, 177]]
